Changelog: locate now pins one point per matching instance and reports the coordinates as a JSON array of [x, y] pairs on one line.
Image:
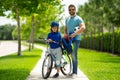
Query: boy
[[55, 48]]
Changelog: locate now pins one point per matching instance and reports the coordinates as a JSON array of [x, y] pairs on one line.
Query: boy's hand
[[49, 40]]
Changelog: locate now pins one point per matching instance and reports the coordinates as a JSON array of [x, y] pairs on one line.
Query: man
[[71, 22]]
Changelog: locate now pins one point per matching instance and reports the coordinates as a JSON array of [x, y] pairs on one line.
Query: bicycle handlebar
[[48, 41]]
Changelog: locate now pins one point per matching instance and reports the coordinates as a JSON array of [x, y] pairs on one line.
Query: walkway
[[35, 74], [9, 47]]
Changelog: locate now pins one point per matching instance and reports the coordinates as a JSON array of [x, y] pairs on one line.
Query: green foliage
[[107, 45], [6, 32], [98, 16], [100, 12], [46, 13], [15, 34]]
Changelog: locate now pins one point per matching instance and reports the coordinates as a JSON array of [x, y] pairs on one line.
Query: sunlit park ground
[[102, 20], [96, 65], [99, 65], [13, 67]]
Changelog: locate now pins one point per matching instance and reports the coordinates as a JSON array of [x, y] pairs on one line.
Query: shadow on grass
[[14, 74], [17, 57], [110, 60], [13, 67]]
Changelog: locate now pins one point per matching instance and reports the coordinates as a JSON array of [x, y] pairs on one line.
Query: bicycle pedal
[[65, 63]]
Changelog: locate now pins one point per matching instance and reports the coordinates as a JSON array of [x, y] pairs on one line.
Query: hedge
[[108, 43]]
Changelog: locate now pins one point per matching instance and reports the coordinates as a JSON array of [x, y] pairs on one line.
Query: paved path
[[9, 47], [35, 74]]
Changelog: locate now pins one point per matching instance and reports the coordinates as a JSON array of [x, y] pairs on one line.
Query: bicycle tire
[[66, 68], [49, 60]]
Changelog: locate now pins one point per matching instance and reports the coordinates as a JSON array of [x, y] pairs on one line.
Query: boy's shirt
[[55, 36]]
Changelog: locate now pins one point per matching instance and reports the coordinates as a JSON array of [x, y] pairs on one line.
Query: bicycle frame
[[65, 64]]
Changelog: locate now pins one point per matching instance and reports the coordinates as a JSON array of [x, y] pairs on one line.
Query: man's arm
[[65, 30], [82, 28]]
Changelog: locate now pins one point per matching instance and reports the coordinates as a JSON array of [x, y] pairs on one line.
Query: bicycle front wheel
[[47, 66], [66, 65]]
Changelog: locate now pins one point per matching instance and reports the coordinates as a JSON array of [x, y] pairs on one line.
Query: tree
[[23, 8], [6, 32], [18, 8]]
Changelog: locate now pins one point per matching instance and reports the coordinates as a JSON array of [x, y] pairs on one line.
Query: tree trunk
[[109, 38], [31, 40], [102, 38], [99, 37], [94, 40], [113, 37], [91, 40], [33, 32], [85, 39], [29, 44], [19, 36]]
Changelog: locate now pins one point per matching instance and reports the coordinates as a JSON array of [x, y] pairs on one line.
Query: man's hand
[[73, 35]]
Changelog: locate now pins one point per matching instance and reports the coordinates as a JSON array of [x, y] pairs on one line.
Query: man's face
[[72, 11]]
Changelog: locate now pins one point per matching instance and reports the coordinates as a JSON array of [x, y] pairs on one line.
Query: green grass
[[99, 65], [95, 65], [15, 67]]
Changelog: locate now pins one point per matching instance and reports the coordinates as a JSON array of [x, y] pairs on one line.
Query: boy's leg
[[58, 55], [57, 74], [58, 69]]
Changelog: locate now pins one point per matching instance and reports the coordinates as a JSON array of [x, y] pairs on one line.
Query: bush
[[107, 44]]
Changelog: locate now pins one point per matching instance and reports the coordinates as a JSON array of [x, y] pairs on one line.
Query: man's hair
[[71, 5]]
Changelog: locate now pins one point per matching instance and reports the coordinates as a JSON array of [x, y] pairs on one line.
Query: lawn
[[15, 67], [96, 65], [99, 65]]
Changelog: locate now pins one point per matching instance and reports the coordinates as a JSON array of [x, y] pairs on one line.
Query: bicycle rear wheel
[[47, 66], [66, 64]]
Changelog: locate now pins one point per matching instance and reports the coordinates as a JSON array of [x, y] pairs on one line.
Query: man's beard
[[73, 13]]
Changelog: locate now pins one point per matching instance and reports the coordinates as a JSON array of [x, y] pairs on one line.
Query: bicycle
[[49, 62]]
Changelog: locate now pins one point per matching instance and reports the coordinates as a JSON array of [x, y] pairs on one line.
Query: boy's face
[[54, 29]]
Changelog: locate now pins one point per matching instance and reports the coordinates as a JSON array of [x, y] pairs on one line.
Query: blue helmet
[[54, 24]]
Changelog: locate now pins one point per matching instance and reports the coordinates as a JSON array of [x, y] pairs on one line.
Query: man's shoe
[[74, 76], [69, 74], [56, 75]]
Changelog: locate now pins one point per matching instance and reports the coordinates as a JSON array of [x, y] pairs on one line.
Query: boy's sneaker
[[56, 75], [74, 76]]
